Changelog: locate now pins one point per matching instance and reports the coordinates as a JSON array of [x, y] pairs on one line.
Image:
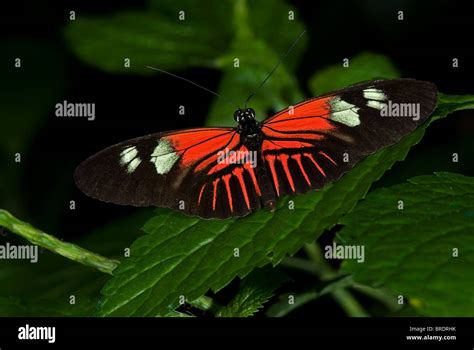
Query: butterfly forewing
[[317, 141], [180, 170]]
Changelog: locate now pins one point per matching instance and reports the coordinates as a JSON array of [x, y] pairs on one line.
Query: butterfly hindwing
[[317, 141], [223, 189]]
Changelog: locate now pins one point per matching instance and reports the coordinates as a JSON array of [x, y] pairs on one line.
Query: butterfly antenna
[[282, 58], [195, 84]]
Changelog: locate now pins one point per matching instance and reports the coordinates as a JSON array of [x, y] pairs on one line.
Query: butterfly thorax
[[249, 128]]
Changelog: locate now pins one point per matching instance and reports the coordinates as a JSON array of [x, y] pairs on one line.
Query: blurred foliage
[[30, 94], [365, 66], [145, 38], [236, 19], [159, 37]]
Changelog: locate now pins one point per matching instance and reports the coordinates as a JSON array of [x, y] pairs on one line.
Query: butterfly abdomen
[[268, 197]]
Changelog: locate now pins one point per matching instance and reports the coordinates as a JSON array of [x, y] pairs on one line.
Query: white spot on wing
[[375, 98], [376, 104], [128, 157], [128, 154], [374, 94], [132, 166], [164, 157], [344, 112]]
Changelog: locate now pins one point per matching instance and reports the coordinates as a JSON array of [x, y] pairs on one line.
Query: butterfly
[[221, 172]]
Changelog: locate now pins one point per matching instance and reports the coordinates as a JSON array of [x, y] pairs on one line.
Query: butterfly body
[[225, 172], [249, 129]]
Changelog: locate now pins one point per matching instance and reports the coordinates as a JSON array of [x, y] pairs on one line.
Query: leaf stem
[[68, 250], [350, 304], [320, 265]]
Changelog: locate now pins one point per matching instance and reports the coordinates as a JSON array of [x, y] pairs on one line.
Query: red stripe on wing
[[271, 162], [284, 161], [328, 157], [224, 163], [297, 157], [226, 179], [318, 108], [238, 172], [270, 145], [194, 146], [279, 133], [215, 183], [310, 156], [201, 192], [251, 171]]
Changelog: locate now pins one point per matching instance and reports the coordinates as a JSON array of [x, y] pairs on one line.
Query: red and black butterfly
[[299, 149]]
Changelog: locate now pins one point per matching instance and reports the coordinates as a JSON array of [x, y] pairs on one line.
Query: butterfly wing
[[318, 140], [304, 147], [177, 169]]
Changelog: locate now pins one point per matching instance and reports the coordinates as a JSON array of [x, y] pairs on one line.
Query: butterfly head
[[244, 116]]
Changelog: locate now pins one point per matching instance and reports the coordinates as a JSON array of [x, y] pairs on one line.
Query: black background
[[124, 332]]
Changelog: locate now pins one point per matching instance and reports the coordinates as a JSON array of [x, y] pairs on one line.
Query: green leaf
[[61, 278], [260, 17], [26, 102], [216, 13], [146, 38], [255, 290], [410, 250], [159, 38], [365, 66], [187, 256], [231, 17]]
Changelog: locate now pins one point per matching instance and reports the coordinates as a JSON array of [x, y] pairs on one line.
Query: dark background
[[130, 106]]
